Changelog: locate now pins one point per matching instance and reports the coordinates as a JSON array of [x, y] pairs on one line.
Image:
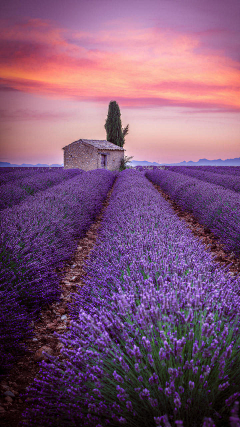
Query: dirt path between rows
[[55, 317], [206, 236]]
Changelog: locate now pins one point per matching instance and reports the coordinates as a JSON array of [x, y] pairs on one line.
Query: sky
[[173, 66]]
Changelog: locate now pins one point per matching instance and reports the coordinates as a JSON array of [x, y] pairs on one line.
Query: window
[[103, 160]]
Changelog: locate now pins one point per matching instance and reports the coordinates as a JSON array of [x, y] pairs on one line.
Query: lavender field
[[37, 236], [154, 335]]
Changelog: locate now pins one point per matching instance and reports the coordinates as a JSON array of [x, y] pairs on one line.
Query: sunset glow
[[186, 75]]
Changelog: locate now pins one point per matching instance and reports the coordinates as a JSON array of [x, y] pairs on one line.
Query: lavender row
[[229, 170], [18, 190], [226, 181], [5, 170], [214, 207], [36, 238], [222, 170], [154, 330], [17, 174]]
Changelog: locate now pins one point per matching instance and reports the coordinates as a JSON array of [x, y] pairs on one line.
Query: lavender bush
[[17, 173], [216, 208], [223, 170], [38, 236], [18, 190], [230, 182], [154, 331], [5, 170]]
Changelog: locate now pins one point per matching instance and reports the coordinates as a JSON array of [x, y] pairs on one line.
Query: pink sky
[[173, 67]]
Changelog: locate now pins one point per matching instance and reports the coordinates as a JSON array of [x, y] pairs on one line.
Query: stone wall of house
[[86, 157], [80, 156], [114, 158]]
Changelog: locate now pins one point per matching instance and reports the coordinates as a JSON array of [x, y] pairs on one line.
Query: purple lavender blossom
[[145, 393], [223, 386], [191, 385]]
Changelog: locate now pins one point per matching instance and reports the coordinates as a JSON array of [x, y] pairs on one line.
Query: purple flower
[[173, 372], [117, 377], [191, 385], [190, 336], [153, 402], [137, 367], [228, 351], [181, 389], [208, 422], [206, 370], [215, 357], [168, 391], [97, 392], [145, 393], [232, 399], [154, 379], [190, 316], [177, 401], [224, 333], [162, 354], [234, 419], [146, 344], [129, 405], [162, 335], [136, 352], [223, 386], [150, 359], [124, 364], [164, 419], [206, 353], [167, 346], [122, 420], [195, 348], [121, 394]]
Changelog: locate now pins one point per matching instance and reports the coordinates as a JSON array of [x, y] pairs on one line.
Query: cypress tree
[[115, 133]]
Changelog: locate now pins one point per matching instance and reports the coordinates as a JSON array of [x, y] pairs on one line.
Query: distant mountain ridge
[[39, 165], [200, 162]]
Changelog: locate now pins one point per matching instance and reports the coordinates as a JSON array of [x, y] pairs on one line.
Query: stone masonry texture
[[86, 155]]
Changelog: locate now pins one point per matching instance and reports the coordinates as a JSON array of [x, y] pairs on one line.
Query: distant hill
[[143, 163], [39, 165], [133, 163], [201, 162]]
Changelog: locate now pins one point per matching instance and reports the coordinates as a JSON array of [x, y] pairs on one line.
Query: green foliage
[[115, 133], [124, 163]]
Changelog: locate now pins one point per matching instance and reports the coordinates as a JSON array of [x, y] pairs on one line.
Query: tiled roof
[[101, 144]]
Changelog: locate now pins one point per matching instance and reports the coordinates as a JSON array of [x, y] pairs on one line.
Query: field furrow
[[214, 207], [230, 182]]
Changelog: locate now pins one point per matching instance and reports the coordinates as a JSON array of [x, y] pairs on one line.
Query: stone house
[[88, 154]]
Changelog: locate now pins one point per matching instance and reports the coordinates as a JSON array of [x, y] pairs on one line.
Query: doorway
[[103, 160]]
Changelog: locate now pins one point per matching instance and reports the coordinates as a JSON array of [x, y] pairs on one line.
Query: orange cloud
[[163, 67]]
